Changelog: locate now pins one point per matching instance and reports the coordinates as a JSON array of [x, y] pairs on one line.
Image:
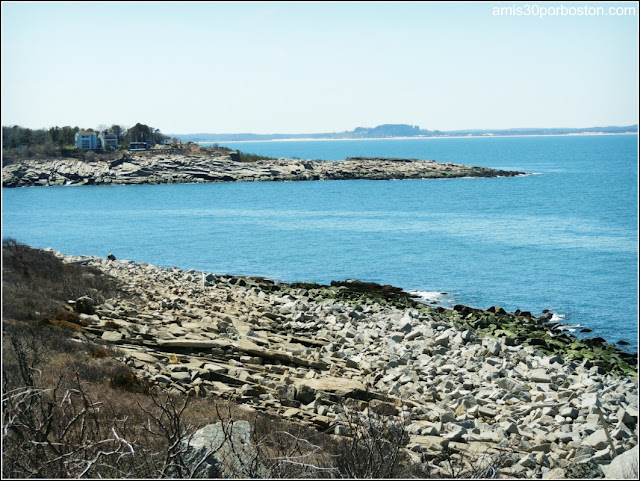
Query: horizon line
[[428, 130], [412, 125]]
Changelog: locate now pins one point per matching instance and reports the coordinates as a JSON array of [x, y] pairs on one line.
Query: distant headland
[[194, 164], [406, 130]]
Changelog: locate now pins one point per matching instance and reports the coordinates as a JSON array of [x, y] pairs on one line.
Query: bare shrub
[[167, 426], [96, 370], [53, 432], [125, 379], [99, 352], [65, 429], [372, 445], [292, 451]]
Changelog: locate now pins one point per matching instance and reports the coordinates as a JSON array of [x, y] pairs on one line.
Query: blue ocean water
[[565, 239]]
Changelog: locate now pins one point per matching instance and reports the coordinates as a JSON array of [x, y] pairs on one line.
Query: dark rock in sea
[[548, 337], [306, 285], [622, 343], [586, 330], [497, 310], [463, 310], [354, 289]]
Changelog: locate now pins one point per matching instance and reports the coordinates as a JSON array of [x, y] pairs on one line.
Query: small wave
[[559, 319], [430, 297], [569, 327]]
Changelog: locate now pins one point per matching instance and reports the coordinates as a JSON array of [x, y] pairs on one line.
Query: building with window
[[86, 140]]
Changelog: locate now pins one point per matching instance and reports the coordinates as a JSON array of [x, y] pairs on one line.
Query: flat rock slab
[[253, 349], [139, 355], [335, 385], [193, 343], [430, 442], [112, 336]]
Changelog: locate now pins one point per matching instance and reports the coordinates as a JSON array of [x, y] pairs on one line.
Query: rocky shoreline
[[159, 167], [477, 382]]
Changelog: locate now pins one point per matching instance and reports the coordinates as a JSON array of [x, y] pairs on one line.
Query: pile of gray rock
[[175, 168], [312, 357]]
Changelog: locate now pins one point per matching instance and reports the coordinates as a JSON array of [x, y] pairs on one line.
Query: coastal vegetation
[[19, 143]]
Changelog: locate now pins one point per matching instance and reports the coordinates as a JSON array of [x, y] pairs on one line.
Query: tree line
[[16, 137]]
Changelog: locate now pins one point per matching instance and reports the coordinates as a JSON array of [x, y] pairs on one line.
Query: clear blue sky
[[314, 67]]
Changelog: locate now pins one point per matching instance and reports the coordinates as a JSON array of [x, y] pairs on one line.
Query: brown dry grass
[[38, 285]]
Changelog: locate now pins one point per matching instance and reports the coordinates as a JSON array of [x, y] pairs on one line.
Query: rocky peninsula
[[202, 165], [470, 381]]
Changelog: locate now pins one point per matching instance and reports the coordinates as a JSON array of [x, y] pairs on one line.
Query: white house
[[86, 140]]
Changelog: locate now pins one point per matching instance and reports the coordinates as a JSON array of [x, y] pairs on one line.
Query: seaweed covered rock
[[354, 289]]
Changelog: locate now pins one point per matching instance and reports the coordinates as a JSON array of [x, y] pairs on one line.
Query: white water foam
[[559, 318], [432, 297]]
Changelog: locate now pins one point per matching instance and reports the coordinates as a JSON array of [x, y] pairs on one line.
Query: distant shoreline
[[417, 137]]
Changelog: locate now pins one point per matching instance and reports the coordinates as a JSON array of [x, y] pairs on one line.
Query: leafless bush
[[54, 432], [289, 450], [372, 446], [166, 423], [67, 429]]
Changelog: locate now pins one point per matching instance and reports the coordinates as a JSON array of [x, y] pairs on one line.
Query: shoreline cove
[[475, 381]]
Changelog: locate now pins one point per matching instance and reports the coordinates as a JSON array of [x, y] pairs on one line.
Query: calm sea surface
[[565, 239]]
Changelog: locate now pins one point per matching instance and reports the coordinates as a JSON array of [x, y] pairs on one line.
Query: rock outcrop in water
[[466, 380], [157, 167]]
